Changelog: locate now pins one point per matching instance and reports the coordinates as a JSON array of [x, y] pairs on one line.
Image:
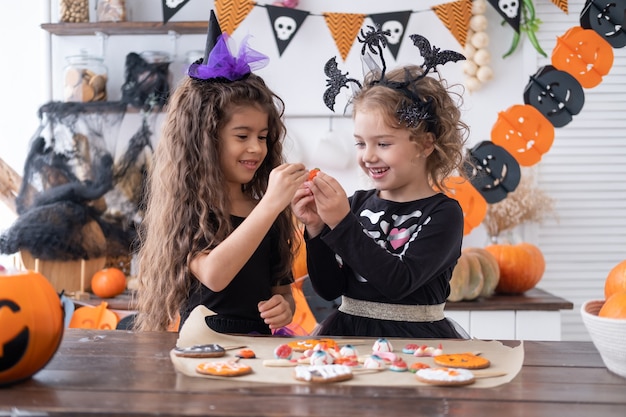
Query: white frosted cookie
[[445, 376], [323, 373]]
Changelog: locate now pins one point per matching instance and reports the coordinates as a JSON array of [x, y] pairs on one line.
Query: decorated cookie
[[410, 348], [280, 363], [374, 362], [348, 351], [246, 354], [302, 345], [323, 373], [211, 350], [416, 366], [445, 376], [425, 350], [223, 368], [382, 345], [399, 365], [283, 351], [462, 360], [321, 357]]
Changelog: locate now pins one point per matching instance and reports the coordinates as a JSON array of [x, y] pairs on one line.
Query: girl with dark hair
[[218, 230]]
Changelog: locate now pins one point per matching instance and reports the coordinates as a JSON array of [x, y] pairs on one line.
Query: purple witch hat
[[220, 63]]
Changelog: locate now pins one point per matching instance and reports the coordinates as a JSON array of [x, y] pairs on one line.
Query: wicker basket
[[608, 336]]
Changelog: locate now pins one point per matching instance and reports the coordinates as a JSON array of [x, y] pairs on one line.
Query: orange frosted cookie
[[302, 345], [223, 368], [462, 360]]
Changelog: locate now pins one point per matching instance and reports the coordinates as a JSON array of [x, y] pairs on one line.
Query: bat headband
[[219, 63], [375, 40]]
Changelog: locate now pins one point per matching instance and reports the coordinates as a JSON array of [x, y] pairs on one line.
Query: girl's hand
[[331, 200], [276, 312], [303, 206], [284, 180]]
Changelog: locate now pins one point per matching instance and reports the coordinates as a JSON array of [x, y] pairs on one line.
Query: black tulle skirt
[[342, 324]]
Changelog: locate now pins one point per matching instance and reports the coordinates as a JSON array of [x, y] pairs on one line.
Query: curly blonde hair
[[187, 209], [449, 130]]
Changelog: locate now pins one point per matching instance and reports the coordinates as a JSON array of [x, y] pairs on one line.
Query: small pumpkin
[[31, 323], [614, 307], [459, 279], [475, 275], [108, 282], [616, 280], [521, 266], [489, 268]]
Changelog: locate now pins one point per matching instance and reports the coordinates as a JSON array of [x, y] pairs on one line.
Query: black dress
[[388, 252], [237, 304]]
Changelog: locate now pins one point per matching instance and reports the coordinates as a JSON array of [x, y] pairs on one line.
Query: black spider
[[375, 39]]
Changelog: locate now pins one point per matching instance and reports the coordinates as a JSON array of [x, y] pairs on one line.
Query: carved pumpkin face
[[31, 319]]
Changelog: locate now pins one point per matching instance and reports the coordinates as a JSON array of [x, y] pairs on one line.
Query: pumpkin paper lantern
[[521, 266], [108, 282], [31, 323], [616, 280]]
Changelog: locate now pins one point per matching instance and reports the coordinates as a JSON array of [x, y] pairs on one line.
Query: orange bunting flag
[[455, 16], [344, 28], [473, 204], [231, 13], [561, 4]]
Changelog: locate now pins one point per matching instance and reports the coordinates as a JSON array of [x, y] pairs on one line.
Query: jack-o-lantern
[[31, 319]]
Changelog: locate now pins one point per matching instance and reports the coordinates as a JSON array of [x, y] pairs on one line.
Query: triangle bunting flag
[[231, 13], [171, 7], [344, 28], [285, 23], [395, 23], [455, 16]]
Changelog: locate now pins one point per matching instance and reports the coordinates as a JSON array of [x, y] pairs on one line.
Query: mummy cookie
[[211, 350], [323, 373]]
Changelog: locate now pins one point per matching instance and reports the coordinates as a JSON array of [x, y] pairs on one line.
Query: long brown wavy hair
[[450, 131], [187, 203]]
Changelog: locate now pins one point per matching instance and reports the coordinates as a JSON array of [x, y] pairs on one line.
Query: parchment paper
[[195, 331]]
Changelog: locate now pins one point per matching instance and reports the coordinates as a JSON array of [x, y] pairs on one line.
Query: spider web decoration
[[63, 206]]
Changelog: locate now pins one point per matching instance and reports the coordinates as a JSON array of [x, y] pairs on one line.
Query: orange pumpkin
[[108, 282], [521, 266], [31, 323], [616, 280], [614, 307]]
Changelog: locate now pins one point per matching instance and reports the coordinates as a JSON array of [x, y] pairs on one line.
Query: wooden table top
[[126, 373]]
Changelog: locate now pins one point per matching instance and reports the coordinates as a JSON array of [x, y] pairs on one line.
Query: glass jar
[[74, 11], [85, 78], [111, 11]]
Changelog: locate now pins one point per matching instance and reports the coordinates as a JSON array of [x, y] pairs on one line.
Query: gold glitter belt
[[395, 312]]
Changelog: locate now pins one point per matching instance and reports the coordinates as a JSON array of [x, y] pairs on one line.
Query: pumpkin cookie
[[462, 360], [445, 376], [211, 350], [223, 368], [302, 345]]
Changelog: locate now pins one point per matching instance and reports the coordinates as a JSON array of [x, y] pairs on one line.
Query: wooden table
[[125, 373]]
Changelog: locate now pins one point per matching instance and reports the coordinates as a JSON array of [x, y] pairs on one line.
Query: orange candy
[[313, 173]]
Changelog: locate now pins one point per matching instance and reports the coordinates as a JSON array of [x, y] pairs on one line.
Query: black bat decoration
[[433, 56], [335, 81]]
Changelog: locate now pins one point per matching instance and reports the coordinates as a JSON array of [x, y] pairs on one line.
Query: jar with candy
[[111, 11], [74, 11], [85, 78]]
